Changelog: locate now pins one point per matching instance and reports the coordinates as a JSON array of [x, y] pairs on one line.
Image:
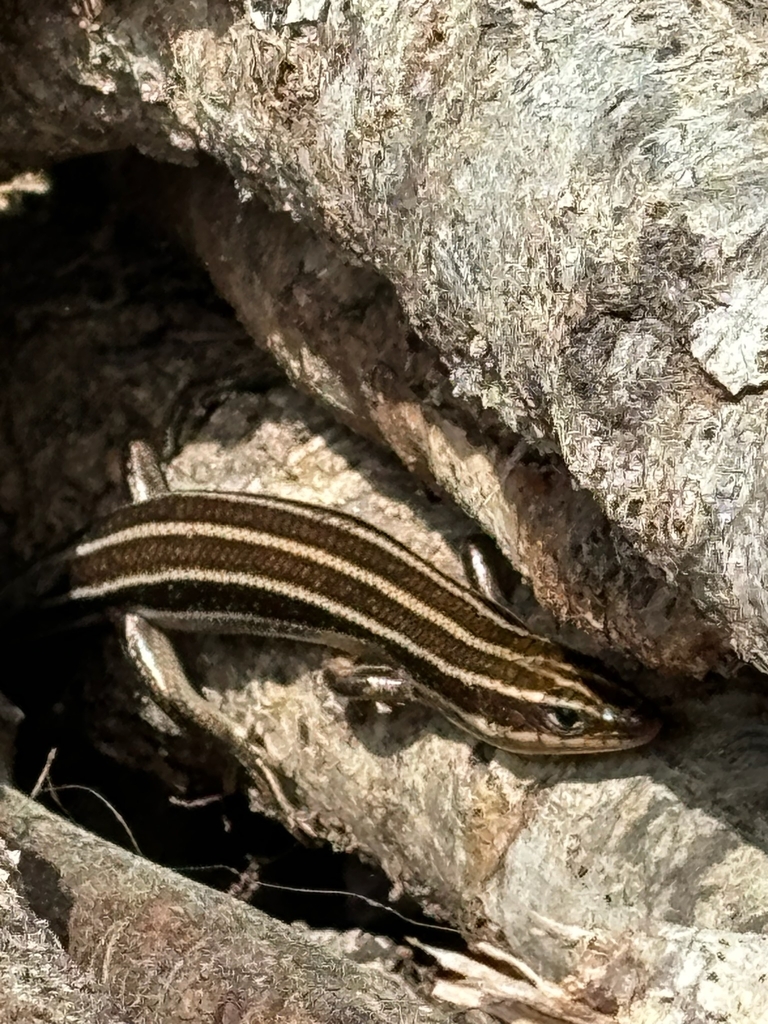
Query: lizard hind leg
[[158, 664]]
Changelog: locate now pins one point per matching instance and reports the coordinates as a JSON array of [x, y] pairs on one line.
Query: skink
[[240, 563]]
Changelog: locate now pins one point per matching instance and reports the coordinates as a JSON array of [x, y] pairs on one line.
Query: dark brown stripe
[[161, 554], [326, 529]]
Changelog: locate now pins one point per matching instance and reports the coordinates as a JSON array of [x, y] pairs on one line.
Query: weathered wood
[[567, 202], [152, 946]]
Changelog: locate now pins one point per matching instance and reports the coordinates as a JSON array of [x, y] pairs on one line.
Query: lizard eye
[[565, 721]]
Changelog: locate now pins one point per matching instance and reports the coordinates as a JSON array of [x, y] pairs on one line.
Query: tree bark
[[524, 247], [163, 948]]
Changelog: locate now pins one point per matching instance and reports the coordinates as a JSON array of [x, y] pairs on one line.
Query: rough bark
[[38, 981], [163, 948], [553, 212]]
